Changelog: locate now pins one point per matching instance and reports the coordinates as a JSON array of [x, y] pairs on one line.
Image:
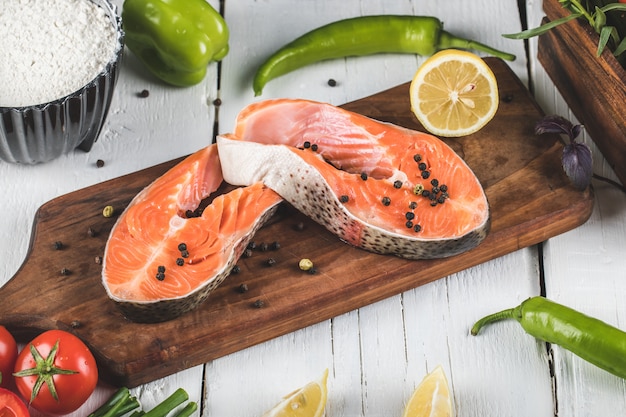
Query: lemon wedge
[[431, 398], [454, 93], [308, 401]]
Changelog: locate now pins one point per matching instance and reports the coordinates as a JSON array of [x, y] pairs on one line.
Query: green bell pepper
[[175, 39]]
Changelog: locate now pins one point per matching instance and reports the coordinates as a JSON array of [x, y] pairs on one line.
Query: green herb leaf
[[529, 33], [605, 35], [620, 48], [599, 20]]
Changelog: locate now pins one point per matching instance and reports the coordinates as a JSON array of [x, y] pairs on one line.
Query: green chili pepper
[[175, 39], [593, 340], [365, 35]]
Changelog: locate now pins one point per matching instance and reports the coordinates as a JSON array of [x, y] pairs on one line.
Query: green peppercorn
[[108, 211], [305, 264]]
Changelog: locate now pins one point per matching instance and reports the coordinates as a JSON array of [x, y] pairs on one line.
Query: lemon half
[[454, 93]]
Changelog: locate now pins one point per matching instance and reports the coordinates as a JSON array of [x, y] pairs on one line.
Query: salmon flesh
[[163, 256], [375, 185]]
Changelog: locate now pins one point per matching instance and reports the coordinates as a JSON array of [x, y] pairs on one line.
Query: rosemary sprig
[[596, 17]]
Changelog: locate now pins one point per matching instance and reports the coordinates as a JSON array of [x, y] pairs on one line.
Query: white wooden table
[[379, 353]]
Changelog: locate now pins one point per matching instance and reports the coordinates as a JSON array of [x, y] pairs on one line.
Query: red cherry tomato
[[66, 367], [11, 405], [8, 355]]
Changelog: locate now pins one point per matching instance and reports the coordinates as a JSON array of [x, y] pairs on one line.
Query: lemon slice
[[308, 401], [431, 398], [454, 93]]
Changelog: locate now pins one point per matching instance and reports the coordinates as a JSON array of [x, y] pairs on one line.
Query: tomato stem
[[45, 370]]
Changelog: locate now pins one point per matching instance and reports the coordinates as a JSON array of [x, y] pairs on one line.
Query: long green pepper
[[593, 340], [365, 35]]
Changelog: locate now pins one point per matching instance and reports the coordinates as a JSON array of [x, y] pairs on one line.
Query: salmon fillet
[[375, 185], [162, 258]]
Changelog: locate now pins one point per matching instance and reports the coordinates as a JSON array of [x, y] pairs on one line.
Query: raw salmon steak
[[163, 257], [377, 186]]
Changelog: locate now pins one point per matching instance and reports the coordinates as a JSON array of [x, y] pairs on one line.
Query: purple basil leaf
[[557, 124], [577, 164]]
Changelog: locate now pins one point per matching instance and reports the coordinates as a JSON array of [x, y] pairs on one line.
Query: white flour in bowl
[[51, 48]]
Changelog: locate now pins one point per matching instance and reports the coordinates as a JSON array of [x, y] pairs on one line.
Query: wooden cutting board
[[531, 200]]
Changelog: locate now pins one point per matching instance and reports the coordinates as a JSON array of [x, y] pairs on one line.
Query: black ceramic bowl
[[43, 132]]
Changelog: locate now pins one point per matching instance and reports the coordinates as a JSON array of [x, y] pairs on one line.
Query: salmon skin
[[162, 257], [377, 186]]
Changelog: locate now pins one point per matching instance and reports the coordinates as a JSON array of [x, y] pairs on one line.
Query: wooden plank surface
[[530, 198]]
